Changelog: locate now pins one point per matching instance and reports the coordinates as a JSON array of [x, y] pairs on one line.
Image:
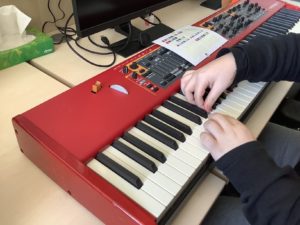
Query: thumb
[[208, 141], [210, 144]]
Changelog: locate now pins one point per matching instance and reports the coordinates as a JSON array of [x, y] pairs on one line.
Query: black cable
[[67, 37], [58, 38], [53, 16], [106, 42], [96, 44], [91, 51], [128, 40], [114, 48], [156, 17]]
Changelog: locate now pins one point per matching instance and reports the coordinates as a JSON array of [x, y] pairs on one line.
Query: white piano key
[[191, 154], [193, 139], [261, 83], [180, 96], [149, 187], [242, 102], [247, 91], [180, 153], [233, 106], [158, 178], [227, 111], [142, 198], [166, 124], [165, 182], [226, 107], [157, 192], [241, 94], [139, 151], [186, 146], [179, 158], [253, 88], [221, 111], [165, 168], [295, 28], [177, 117], [151, 141], [195, 151]]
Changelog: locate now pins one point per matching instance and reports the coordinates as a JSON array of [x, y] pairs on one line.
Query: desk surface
[[27, 195]]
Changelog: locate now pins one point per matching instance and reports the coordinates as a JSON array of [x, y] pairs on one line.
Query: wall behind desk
[[38, 11]]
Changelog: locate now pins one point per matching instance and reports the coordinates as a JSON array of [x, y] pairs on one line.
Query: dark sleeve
[[268, 59], [269, 194]]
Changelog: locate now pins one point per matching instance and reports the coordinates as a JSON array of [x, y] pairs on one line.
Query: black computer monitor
[[92, 16]]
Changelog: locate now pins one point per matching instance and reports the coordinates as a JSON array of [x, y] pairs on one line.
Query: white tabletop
[[27, 195]]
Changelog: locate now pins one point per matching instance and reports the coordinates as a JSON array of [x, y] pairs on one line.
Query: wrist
[[230, 61]]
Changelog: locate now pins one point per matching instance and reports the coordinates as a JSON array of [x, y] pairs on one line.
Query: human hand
[[224, 133], [216, 75]]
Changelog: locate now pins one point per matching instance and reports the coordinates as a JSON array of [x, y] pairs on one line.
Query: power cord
[[57, 38], [114, 47], [53, 16], [105, 40]]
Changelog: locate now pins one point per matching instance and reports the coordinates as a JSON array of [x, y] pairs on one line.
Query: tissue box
[[41, 45]]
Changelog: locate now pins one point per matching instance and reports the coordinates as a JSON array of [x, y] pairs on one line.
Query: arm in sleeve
[[269, 194], [268, 59]]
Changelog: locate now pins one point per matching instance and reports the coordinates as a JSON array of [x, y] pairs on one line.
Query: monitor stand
[[212, 4], [139, 39]]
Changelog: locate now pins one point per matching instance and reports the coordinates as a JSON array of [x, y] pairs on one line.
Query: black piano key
[[205, 95], [145, 147], [189, 106], [120, 170], [279, 22], [290, 11], [173, 122], [274, 28], [283, 18], [214, 106], [273, 32], [283, 29], [231, 87], [184, 113], [218, 101], [262, 33], [142, 160], [165, 128], [180, 92], [249, 38], [157, 135], [223, 96], [285, 15]]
